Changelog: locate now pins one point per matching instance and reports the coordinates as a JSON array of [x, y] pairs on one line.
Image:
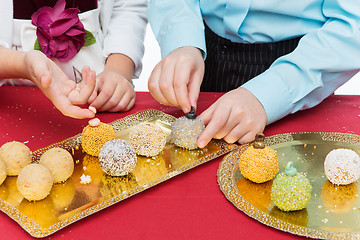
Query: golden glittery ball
[[259, 165], [93, 138]]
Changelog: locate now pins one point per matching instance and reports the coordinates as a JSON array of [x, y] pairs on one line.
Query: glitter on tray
[[117, 157]]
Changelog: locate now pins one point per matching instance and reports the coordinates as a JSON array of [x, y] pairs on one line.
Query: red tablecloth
[[188, 206]]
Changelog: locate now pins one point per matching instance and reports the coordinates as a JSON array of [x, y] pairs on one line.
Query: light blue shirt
[[327, 56]]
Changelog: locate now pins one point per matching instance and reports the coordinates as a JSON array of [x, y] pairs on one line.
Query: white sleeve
[[6, 17], [125, 31]]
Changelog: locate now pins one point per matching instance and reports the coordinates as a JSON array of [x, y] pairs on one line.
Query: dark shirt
[[23, 9]]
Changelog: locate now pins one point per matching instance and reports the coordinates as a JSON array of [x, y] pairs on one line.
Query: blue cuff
[[181, 35], [272, 93]]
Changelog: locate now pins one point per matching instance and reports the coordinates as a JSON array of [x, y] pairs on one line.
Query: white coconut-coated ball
[[117, 157], [342, 166]]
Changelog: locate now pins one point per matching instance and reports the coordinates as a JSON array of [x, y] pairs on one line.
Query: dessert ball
[[342, 166], [15, 155], [34, 182], [186, 130], [94, 137], [291, 190], [147, 139], [259, 164], [59, 162], [117, 157], [3, 172]]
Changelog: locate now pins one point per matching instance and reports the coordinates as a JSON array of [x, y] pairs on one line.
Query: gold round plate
[[333, 211]]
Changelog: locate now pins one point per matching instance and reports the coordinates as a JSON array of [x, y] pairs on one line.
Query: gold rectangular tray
[[333, 211], [71, 201]]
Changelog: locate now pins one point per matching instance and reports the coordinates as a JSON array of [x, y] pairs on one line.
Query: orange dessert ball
[[93, 138], [260, 163]]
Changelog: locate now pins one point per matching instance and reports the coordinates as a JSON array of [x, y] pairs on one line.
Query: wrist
[[120, 64]]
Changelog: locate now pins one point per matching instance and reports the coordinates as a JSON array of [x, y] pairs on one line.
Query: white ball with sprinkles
[[117, 157], [186, 130], [342, 166]]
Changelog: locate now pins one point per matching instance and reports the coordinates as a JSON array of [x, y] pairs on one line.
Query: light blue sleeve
[[176, 23], [324, 60]]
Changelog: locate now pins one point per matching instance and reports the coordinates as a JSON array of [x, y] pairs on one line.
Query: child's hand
[[236, 116], [63, 92], [113, 92], [176, 80]]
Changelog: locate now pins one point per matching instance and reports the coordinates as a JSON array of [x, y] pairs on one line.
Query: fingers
[[236, 116], [68, 109], [217, 121], [85, 89], [181, 79], [77, 112], [153, 84], [166, 85], [176, 80]]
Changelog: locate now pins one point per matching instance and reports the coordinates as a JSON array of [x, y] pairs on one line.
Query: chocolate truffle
[[59, 162], [147, 139], [94, 137], [34, 182], [117, 157], [186, 130], [15, 155], [291, 190], [342, 166], [259, 163]]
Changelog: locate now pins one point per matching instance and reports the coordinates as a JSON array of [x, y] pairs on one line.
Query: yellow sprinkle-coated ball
[[94, 138], [259, 165], [15, 155]]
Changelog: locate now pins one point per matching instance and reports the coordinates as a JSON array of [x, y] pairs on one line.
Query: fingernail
[[201, 144]]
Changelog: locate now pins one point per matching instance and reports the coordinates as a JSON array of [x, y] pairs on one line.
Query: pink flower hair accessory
[[60, 33]]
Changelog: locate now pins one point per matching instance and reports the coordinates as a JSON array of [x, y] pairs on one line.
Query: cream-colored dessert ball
[[147, 139], [342, 166], [3, 172], [15, 155], [34, 182], [59, 162]]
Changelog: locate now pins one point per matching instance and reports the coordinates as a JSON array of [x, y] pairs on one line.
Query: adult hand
[[176, 79], [63, 92], [236, 116]]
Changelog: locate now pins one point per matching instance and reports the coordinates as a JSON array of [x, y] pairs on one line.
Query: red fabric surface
[[188, 206]]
